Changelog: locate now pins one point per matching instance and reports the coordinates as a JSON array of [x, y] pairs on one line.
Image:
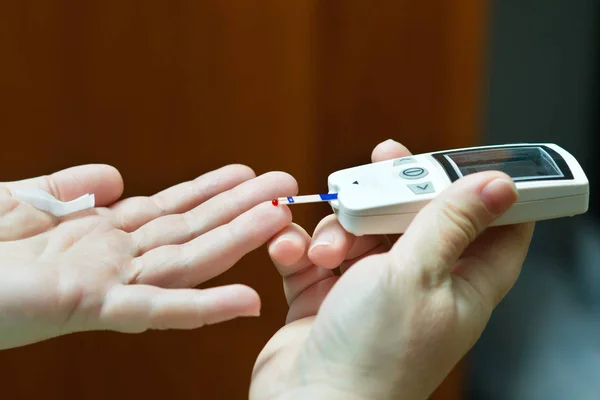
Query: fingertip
[[499, 195], [286, 251], [271, 210], [231, 301], [115, 180], [244, 299], [328, 249], [289, 245], [286, 182], [103, 180], [286, 212], [241, 170], [388, 150], [325, 256], [330, 243], [496, 190], [265, 220]]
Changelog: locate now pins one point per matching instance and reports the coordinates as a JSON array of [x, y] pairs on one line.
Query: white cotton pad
[[46, 202]]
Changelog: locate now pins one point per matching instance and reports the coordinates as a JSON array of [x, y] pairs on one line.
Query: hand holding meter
[[384, 197]]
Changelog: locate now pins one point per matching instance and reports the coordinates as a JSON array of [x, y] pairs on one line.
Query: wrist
[[320, 377]]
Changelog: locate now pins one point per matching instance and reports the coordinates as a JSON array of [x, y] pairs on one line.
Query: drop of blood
[[275, 202]]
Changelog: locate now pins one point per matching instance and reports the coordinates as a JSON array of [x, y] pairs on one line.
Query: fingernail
[[325, 238], [390, 141], [499, 195], [280, 240]]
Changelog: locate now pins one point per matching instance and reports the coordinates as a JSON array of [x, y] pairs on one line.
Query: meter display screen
[[525, 163]]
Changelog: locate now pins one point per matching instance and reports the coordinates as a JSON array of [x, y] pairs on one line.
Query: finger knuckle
[[395, 274], [51, 186], [133, 274], [466, 223], [187, 228], [243, 171], [159, 205]]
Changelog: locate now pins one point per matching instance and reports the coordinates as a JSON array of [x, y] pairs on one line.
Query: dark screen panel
[[522, 163]]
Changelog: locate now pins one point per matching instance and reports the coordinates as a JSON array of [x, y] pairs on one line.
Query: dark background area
[[542, 86]]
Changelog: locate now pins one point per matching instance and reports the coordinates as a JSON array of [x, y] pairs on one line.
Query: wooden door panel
[[405, 70]]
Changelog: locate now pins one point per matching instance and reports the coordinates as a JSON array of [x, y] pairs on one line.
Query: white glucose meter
[[384, 197]]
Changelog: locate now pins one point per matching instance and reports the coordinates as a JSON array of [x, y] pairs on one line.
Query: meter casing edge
[[378, 198]]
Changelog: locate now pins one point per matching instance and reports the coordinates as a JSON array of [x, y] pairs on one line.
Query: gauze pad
[[46, 202]]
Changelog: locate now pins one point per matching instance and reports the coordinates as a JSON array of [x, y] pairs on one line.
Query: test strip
[[311, 198]]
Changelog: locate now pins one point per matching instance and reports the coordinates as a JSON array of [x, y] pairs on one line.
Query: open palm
[[130, 265]]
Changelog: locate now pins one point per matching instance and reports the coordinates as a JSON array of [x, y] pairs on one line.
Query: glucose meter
[[384, 197]]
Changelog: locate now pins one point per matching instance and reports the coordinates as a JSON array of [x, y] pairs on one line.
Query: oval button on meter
[[414, 173]]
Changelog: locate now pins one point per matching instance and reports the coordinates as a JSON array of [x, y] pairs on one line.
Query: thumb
[[443, 229]]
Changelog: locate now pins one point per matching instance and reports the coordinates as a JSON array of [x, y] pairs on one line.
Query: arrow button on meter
[[422, 188]]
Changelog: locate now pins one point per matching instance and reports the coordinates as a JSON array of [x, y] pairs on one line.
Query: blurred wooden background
[[168, 90]]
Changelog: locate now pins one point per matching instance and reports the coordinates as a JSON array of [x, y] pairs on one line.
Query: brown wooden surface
[[168, 90]]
